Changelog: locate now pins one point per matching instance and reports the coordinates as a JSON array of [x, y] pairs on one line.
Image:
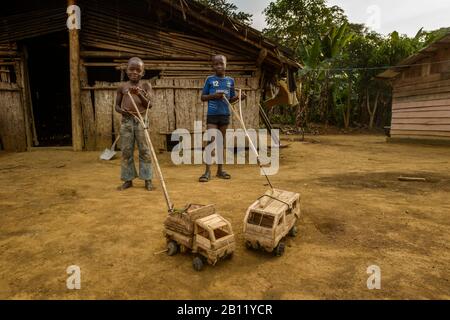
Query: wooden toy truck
[[270, 219], [202, 231]]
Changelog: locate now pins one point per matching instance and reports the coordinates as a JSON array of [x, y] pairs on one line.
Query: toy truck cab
[[213, 238], [270, 219], [203, 231]]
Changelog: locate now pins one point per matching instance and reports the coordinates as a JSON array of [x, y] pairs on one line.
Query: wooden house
[[60, 67], [421, 95]]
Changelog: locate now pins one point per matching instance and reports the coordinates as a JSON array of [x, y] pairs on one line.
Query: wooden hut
[[421, 95], [59, 71]]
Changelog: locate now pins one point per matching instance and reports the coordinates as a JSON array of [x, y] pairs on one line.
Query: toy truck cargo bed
[[201, 230], [181, 224]]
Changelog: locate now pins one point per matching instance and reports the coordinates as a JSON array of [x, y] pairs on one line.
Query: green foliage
[[229, 9], [340, 60], [294, 23], [431, 36]]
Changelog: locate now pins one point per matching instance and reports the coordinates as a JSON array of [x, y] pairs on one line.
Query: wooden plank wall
[[104, 101], [12, 121], [421, 105], [15, 101], [177, 104], [87, 111]]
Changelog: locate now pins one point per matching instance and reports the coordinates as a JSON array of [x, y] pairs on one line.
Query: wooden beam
[[261, 57], [75, 92], [8, 53], [20, 74]]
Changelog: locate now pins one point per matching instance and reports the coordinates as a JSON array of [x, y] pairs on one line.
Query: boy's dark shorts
[[218, 120]]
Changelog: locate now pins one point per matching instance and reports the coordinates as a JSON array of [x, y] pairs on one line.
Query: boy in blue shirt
[[216, 88]]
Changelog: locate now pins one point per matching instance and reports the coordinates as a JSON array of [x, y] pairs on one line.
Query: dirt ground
[[59, 208]]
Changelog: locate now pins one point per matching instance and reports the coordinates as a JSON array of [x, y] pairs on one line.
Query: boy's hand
[[243, 96], [134, 90], [219, 95], [119, 109]]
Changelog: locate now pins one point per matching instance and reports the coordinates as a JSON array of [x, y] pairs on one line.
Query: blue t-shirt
[[215, 84]]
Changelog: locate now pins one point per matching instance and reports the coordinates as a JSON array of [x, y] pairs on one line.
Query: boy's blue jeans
[[131, 133]]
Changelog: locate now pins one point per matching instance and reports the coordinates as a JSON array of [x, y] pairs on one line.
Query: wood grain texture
[[431, 121], [418, 133], [422, 85], [104, 104], [421, 127], [12, 122], [87, 113], [420, 92], [185, 105], [75, 91], [399, 112], [425, 97], [87, 110], [422, 114], [429, 103]]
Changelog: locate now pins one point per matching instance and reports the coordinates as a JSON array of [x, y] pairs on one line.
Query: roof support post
[[74, 25]]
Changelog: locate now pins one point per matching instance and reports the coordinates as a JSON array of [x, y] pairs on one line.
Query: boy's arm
[[118, 106], [214, 96], [206, 96], [234, 97], [146, 95]]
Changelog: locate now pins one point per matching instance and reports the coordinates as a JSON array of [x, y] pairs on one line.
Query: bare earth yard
[[59, 208]]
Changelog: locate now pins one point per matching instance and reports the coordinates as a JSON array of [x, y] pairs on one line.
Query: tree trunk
[[326, 100], [348, 109], [372, 111]]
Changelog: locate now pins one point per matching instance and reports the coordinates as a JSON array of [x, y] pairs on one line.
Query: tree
[[228, 9], [431, 36], [340, 61], [390, 52], [318, 58], [294, 23]]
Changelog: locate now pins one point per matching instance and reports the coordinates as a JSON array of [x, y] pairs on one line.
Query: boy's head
[[219, 64], [135, 69]]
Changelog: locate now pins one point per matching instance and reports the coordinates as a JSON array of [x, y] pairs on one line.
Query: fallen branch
[[160, 252], [412, 179]]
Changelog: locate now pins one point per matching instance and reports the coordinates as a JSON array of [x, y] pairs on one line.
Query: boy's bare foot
[[149, 186], [125, 185], [205, 177], [223, 175]]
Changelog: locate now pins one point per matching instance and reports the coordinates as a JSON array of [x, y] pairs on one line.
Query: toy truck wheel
[[252, 246], [197, 263], [172, 248], [229, 256], [279, 249], [293, 232]]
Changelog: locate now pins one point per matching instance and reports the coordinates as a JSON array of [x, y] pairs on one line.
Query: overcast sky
[[385, 16]]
